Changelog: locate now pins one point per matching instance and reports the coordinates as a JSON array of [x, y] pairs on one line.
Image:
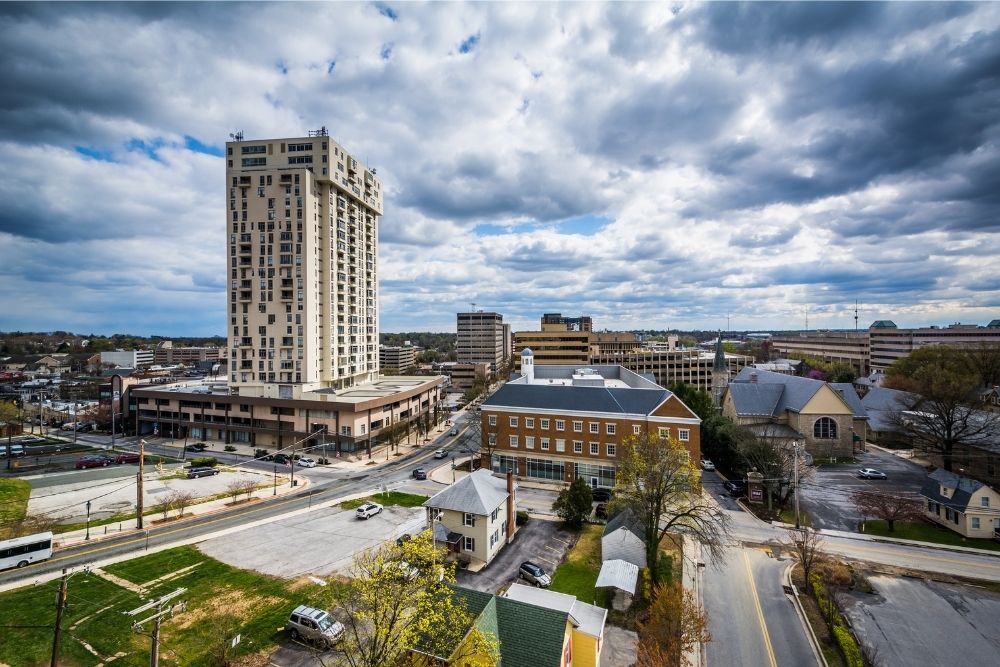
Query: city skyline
[[656, 167]]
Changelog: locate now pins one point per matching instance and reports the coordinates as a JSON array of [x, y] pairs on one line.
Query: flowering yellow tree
[[399, 608]]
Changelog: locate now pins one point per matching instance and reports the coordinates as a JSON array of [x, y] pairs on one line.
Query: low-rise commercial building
[[847, 347], [127, 358], [166, 354], [558, 423], [346, 420], [399, 357]]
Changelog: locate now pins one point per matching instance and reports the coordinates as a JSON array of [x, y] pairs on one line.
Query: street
[[751, 618]]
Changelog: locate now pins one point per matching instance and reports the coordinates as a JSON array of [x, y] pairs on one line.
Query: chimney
[[753, 378], [510, 506]]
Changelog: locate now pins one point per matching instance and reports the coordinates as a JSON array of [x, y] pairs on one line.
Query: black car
[[201, 471], [601, 495], [197, 447], [735, 488], [419, 473], [283, 458]]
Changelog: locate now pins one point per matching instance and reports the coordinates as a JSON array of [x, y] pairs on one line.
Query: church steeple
[[720, 373]]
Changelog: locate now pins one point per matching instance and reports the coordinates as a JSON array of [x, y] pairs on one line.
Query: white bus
[[20, 551]]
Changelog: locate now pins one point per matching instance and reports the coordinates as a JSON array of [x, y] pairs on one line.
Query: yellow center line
[[142, 536], [760, 613]]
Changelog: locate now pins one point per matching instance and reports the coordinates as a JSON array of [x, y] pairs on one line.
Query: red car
[[126, 457], [94, 461]]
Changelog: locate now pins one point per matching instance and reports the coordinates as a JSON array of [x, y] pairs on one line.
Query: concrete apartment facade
[[302, 220], [692, 367], [887, 342], [480, 339], [400, 357], [835, 346], [554, 344], [557, 423], [127, 358], [167, 354]]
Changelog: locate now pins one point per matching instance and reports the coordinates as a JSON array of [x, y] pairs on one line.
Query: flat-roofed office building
[[847, 347], [481, 339]]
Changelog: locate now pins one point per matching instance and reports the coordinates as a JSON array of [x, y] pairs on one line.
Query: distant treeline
[[14, 343]]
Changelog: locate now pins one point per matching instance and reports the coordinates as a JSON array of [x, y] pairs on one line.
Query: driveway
[[915, 622], [317, 543], [712, 481], [827, 497], [541, 541]]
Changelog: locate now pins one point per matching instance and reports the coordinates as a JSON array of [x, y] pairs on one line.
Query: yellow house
[[535, 628]]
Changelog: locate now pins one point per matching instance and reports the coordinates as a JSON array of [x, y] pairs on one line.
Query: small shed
[[623, 539]]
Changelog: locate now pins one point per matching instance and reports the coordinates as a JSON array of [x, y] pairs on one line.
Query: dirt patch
[[228, 603], [242, 502], [262, 659]]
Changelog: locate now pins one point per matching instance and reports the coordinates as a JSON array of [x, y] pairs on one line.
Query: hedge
[[848, 645]]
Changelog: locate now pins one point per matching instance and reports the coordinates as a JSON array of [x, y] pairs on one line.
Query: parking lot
[[916, 622], [541, 541], [325, 541], [827, 496]]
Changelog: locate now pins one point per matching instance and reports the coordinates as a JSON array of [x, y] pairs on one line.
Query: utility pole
[[138, 485], [157, 618], [795, 473], [60, 606]]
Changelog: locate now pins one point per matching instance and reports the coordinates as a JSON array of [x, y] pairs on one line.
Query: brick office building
[[556, 423]]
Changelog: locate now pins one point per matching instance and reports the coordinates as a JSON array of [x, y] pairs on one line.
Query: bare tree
[[248, 486], [775, 459], [943, 404], [657, 479], [807, 545], [180, 500], [234, 488], [886, 506]]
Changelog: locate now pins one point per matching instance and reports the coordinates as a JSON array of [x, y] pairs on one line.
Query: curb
[[863, 537], [813, 641]]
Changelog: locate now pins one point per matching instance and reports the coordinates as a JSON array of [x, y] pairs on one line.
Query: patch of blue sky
[[193, 144], [143, 146], [387, 11], [95, 154], [489, 229], [469, 43], [585, 225]]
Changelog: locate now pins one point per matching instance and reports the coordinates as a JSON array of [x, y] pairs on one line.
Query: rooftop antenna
[[473, 306], [855, 316], [236, 136]]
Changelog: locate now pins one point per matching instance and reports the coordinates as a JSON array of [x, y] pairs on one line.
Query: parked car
[[872, 473], [267, 457], [283, 458], [601, 495], [735, 488], [201, 471], [440, 454], [707, 465], [126, 457], [534, 574], [196, 447], [454, 431], [314, 625], [601, 511], [306, 462], [368, 510], [16, 449], [93, 461], [419, 473]]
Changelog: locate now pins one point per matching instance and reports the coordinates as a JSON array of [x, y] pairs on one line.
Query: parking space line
[[550, 562], [560, 540]]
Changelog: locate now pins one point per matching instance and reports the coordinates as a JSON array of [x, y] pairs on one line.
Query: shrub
[[230, 448], [259, 453], [522, 518], [848, 646], [202, 461]]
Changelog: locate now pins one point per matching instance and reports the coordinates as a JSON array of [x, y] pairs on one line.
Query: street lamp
[[88, 521], [795, 473]]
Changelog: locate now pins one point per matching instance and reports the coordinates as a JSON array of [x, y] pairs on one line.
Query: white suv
[[368, 510], [314, 625]]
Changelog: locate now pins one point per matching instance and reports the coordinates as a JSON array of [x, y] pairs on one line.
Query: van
[[15, 449], [314, 625]]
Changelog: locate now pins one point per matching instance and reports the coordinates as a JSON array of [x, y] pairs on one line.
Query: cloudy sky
[[651, 165]]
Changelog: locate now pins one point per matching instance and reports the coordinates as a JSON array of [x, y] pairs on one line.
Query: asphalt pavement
[[827, 496], [751, 617]]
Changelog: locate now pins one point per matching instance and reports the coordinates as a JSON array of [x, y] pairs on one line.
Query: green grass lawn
[[788, 516], [221, 602], [391, 498], [578, 573], [13, 500], [926, 532]]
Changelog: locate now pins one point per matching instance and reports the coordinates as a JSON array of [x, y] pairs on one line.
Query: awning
[[619, 574]]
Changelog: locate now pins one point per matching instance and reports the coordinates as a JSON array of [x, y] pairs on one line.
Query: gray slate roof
[[620, 574], [625, 519], [478, 493], [964, 488], [578, 399], [850, 394], [879, 404], [795, 392]]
